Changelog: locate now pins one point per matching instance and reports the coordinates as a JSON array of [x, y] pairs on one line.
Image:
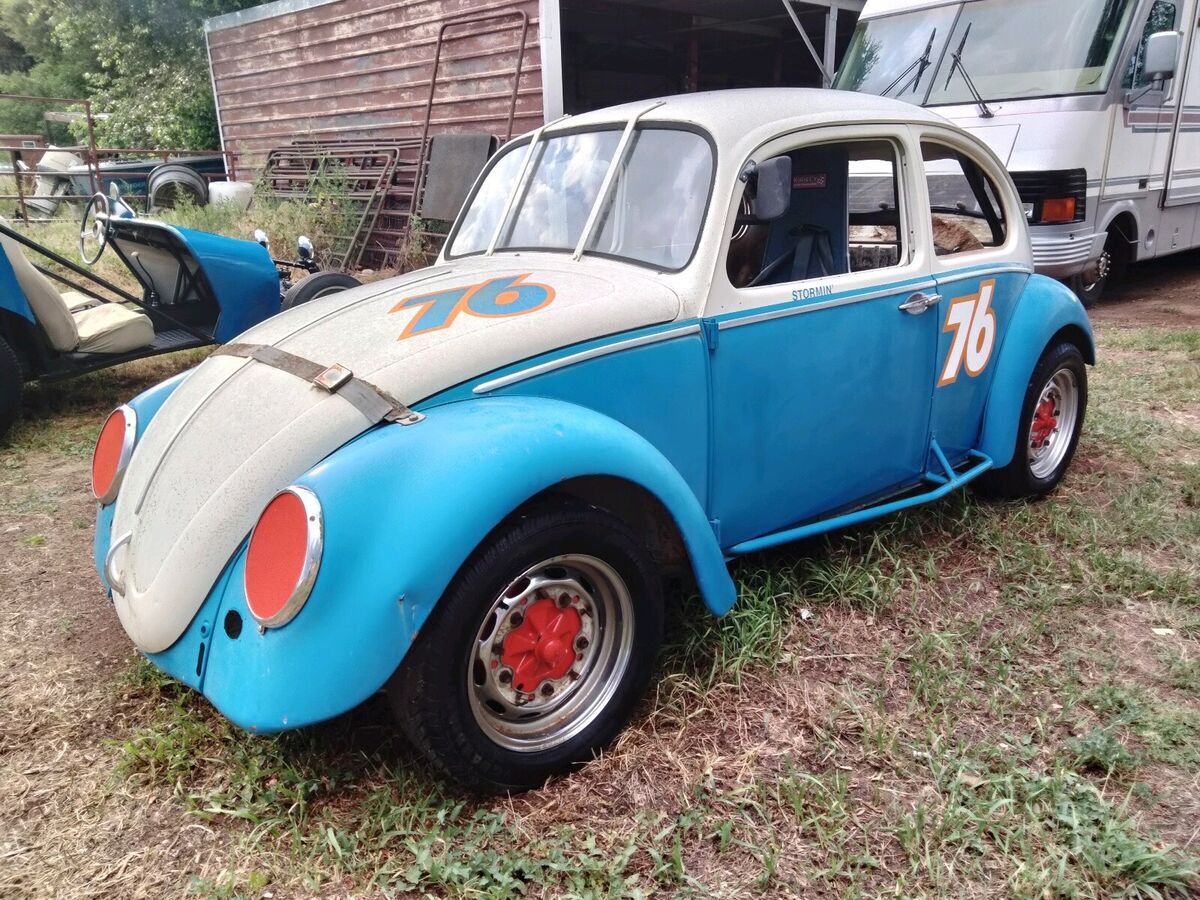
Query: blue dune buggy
[[196, 289]]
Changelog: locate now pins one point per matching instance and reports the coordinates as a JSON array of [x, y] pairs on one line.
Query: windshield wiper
[[519, 184], [921, 61], [956, 64]]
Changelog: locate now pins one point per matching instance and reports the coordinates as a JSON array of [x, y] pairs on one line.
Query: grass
[[965, 700]]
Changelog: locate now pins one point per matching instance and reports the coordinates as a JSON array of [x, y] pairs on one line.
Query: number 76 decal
[[974, 326]]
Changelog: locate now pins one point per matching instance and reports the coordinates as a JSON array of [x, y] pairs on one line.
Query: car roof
[[732, 116]]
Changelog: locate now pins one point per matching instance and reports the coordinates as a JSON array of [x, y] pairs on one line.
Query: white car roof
[[753, 114]]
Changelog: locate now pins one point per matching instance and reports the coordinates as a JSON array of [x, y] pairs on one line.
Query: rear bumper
[[1062, 252]]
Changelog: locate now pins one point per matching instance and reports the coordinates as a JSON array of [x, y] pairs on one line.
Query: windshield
[[884, 50], [1015, 49], [652, 213]]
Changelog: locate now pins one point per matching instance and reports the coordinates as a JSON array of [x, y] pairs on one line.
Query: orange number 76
[[974, 325]]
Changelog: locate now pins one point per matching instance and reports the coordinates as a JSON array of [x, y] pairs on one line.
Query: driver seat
[[74, 322]]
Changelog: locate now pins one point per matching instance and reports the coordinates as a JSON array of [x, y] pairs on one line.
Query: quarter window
[[844, 216], [964, 203]]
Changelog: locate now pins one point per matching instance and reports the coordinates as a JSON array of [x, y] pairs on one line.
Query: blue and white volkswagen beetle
[[660, 336]]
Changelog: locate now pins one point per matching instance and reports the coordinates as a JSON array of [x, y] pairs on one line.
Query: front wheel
[[319, 284], [1089, 288], [1048, 431], [536, 654]]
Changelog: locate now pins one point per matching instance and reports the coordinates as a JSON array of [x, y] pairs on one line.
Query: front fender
[[403, 508], [1045, 309]]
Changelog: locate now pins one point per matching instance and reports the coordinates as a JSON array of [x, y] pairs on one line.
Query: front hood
[[237, 431]]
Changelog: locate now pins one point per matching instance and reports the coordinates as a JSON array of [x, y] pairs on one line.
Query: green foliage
[[142, 62]]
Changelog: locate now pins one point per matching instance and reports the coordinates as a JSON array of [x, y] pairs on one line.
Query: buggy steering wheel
[[97, 232]]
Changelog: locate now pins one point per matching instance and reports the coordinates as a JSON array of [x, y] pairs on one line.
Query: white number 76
[[974, 326]]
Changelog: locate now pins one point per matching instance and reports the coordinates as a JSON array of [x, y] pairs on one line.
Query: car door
[[980, 266], [821, 373]]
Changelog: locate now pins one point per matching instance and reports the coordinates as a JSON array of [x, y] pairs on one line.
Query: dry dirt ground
[[971, 700]]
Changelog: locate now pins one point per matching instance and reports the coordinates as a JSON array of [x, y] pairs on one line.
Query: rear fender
[[145, 406], [1046, 311], [403, 509]]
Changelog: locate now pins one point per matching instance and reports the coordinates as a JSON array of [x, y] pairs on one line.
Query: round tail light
[[114, 447], [283, 557]]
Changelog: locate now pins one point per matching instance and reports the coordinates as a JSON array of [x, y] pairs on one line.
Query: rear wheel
[[12, 387], [537, 653], [319, 284], [1048, 431]]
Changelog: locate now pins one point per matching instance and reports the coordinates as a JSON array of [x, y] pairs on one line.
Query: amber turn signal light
[[1058, 211]]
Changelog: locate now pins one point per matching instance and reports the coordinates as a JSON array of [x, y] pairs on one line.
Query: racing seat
[[74, 321], [810, 239]]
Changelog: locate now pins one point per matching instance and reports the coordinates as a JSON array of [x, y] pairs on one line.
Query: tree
[[141, 61]]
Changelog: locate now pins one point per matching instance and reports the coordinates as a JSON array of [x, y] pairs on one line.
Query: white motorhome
[[1094, 106]]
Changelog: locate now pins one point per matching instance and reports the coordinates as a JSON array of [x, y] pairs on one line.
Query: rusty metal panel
[[360, 69]]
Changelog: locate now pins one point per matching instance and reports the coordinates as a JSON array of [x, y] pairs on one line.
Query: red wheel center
[[543, 646], [1044, 422]]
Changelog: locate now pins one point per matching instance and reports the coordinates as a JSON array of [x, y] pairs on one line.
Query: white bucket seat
[[74, 321]]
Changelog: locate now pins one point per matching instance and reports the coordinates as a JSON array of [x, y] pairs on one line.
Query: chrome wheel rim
[[550, 652], [1053, 424]]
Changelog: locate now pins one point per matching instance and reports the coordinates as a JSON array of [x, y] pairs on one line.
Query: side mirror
[[1162, 56], [260, 237], [772, 188], [304, 248]]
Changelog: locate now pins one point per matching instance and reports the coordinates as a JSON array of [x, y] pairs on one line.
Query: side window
[[964, 203], [844, 216], [1163, 15]]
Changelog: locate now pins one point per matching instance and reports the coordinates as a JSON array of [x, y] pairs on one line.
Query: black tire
[[1021, 477], [319, 284], [169, 181], [1114, 265], [12, 387], [435, 692], [1089, 294]]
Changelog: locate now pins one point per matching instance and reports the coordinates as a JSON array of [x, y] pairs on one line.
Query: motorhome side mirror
[[773, 188], [304, 248], [260, 237], [1162, 55]]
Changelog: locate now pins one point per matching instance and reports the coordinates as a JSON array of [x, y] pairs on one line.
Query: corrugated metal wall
[[306, 69]]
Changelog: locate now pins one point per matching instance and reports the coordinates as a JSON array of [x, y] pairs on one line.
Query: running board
[[942, 484]]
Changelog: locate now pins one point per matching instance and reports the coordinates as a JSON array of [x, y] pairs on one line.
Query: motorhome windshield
[[1015, 49], [651, 214]]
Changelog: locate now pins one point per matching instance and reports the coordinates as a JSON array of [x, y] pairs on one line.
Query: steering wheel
[[97, 232]]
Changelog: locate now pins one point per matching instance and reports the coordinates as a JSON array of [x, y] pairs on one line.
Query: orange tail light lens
[[114, 447], [283, 557]]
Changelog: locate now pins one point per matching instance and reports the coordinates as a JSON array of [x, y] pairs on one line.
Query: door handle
[[918, 303]]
